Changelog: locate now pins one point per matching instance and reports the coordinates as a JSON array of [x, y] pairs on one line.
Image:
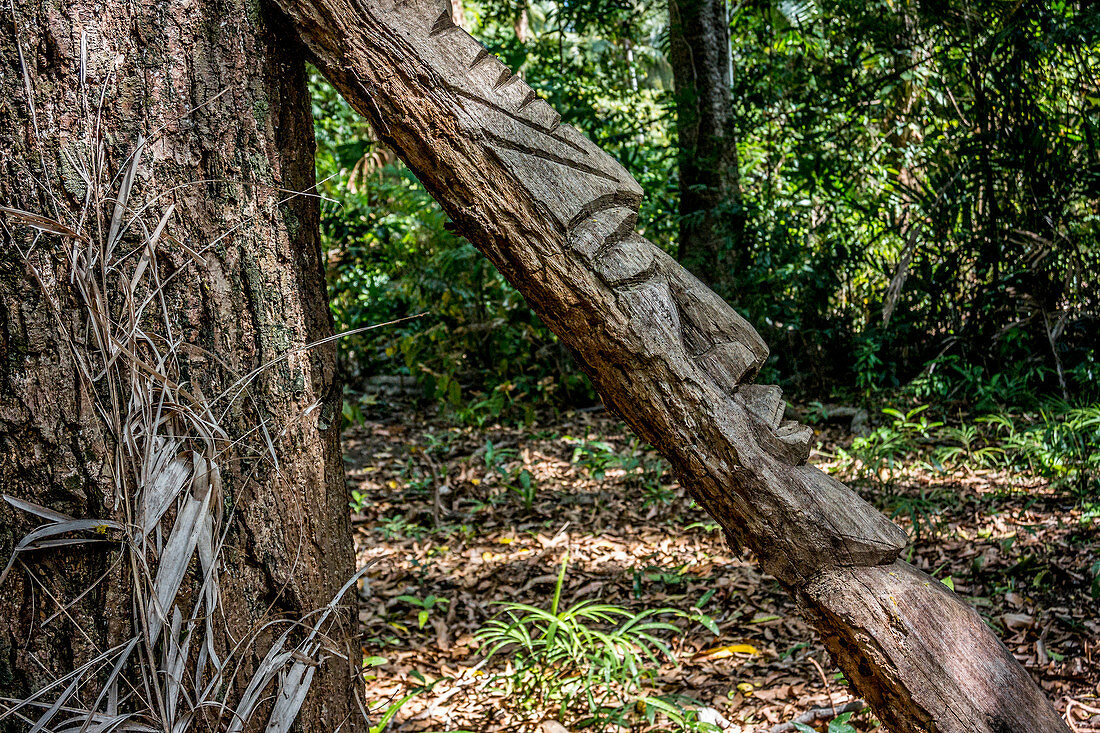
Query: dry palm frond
[[375, 159]]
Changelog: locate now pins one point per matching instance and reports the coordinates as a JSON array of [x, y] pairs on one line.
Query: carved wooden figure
[[557, 215]]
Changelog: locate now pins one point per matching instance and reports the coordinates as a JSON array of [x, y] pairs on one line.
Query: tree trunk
[[556, 215], [458, 13], [712, 225], [157, 415], [521, 26]]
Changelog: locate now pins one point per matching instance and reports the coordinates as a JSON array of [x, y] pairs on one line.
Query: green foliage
[[352, 407], [878, 455], [656, 492], [920, 187], [398, 526], [496, 457], [931, 161], [1059, 443], [425, 606], [702, 618], [1011, 385], [478, 349], [522, 483], [358, 500], [595, 456], [591, 660]]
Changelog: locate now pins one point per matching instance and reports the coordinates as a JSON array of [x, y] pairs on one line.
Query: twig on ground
[[818, 715], [825, 682]]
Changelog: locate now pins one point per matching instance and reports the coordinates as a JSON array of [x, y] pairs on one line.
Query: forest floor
[[457, 521]]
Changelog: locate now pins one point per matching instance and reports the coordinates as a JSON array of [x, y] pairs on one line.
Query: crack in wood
[[506, 77], [483, 55]]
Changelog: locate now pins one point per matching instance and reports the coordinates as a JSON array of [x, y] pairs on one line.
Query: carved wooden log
[[556, 215]]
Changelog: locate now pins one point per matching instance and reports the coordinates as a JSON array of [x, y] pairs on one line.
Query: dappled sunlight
[[633, 539]]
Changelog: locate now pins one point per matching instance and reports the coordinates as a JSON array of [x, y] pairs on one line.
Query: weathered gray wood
[[903, 637], [556, 215]]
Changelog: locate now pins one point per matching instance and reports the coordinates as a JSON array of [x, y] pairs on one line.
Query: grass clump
[[592, 661]]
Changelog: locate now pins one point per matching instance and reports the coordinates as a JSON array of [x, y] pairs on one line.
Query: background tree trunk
[[221, 94], [522, 24], [712, 225], [556, 215]]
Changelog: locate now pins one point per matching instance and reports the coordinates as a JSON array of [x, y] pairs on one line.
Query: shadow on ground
[[454, 526]]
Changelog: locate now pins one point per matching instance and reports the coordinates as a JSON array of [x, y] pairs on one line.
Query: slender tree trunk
[[458, 13], [712, 225], [218, 90], [522, 23], [556, 215]]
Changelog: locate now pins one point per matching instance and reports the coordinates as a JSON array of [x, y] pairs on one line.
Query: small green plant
[[703, 619], [678, 711], [925, 510], [399, 526], [967, 445], [495, 456], [483, 409], [426, 605], [868, 364], [657, 493], [839, 724], [1061, 445], [880, 452], [518, 480], [415, 481], [654, 574], [591, 659], [649, 473], [391, 710], [352, 408], [595, 456], [706, 525], [522, 483]]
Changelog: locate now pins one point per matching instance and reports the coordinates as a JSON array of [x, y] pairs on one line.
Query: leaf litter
[[439, 511]]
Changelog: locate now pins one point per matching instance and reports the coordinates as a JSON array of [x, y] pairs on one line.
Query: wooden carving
[[557, 216], [800, 518]]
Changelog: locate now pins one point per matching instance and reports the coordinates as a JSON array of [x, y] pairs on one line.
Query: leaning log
[[557, 216]]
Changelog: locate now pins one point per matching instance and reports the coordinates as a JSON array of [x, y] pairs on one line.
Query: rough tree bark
[[712, 225], [221, 95], [556, 215]]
